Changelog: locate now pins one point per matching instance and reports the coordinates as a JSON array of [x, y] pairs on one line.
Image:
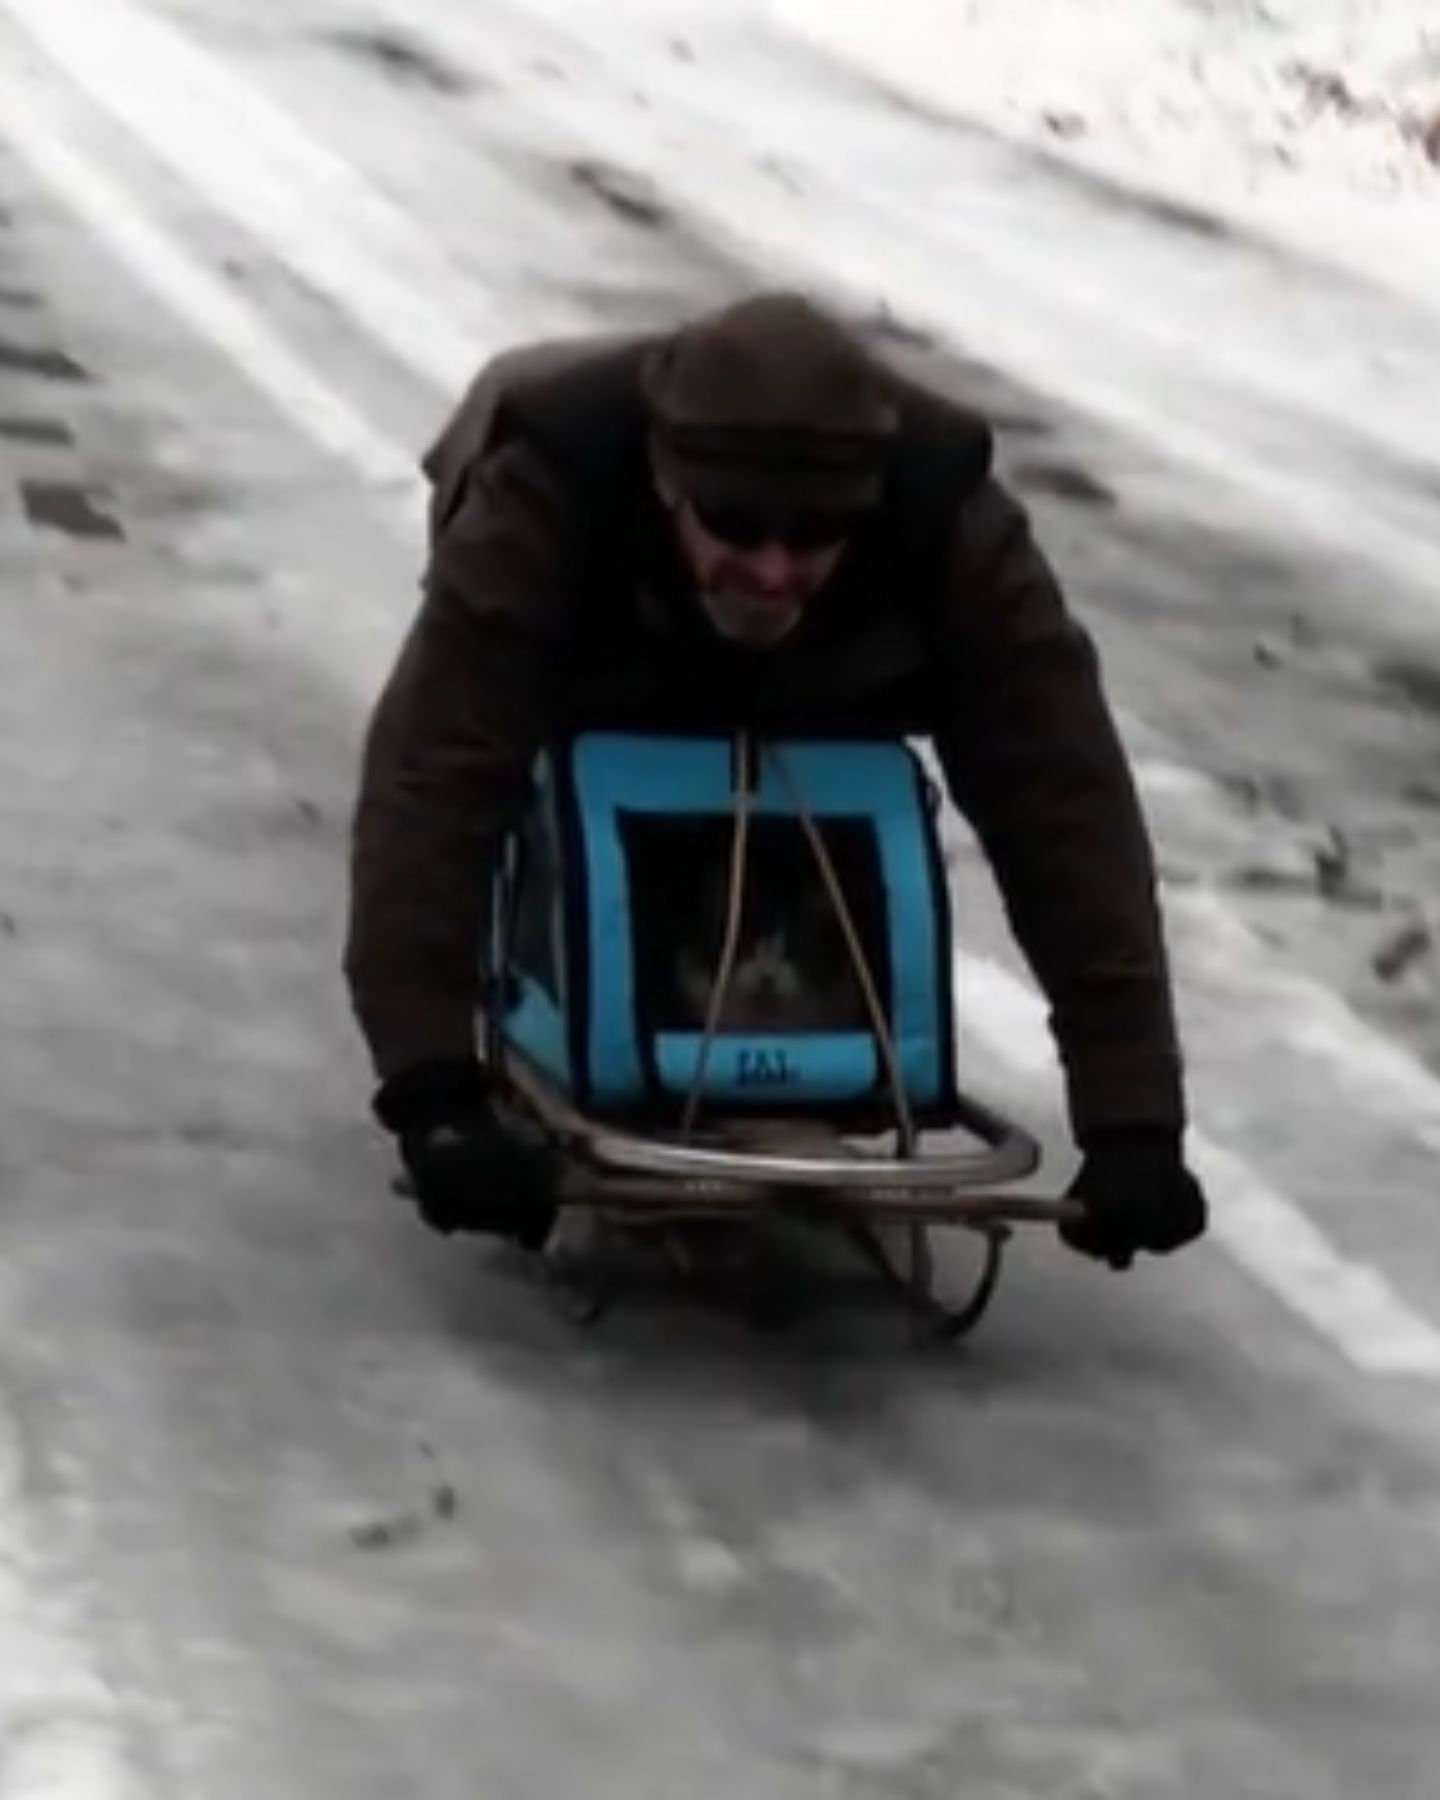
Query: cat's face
[[792, 968], [766, 985], [774, 985], [768, 970]]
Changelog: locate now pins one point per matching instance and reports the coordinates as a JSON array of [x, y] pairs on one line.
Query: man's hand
[[468, 1172], [1137, 1194]]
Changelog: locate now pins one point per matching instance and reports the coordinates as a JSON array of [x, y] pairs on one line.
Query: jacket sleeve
[[477, 689], [1033, 759]]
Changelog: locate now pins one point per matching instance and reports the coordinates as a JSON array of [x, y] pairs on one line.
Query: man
[[749, 520]]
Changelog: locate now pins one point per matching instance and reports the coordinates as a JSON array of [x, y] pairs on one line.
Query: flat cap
[[771, 396]]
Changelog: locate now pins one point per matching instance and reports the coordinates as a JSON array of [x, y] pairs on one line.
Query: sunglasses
[[800, 529]]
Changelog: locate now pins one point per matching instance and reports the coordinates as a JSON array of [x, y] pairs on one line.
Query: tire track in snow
[[252, 161]]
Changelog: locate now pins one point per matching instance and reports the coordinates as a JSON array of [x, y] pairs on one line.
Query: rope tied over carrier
[[746, 768]]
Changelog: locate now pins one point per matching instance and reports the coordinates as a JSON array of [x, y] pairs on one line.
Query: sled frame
[[645, 1183]]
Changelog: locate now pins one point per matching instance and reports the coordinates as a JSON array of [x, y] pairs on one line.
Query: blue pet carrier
[[613, 904]]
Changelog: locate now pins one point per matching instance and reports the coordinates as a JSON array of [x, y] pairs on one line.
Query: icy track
[[296, 1501]]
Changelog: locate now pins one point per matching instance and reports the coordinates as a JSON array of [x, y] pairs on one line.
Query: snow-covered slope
[[1320, 118]]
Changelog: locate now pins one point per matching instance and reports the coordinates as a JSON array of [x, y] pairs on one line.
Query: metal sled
[[715, 1137]]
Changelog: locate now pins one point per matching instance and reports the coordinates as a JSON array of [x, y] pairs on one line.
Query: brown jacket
[[554, 599]]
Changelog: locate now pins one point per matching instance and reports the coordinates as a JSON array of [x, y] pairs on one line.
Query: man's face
[[756, 571]]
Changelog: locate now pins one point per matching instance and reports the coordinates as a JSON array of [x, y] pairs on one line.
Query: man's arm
[[476, 691], [1033, 760]]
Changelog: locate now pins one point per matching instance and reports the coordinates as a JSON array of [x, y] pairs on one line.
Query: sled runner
[[720, 990]]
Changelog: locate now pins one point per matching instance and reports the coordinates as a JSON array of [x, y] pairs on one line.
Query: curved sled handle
[[933, 1183]]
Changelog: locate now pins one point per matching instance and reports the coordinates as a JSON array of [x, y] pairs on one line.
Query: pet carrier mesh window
[[623, 883]]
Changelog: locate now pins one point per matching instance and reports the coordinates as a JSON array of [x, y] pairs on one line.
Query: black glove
[[468, 1172], [1137, 1195]]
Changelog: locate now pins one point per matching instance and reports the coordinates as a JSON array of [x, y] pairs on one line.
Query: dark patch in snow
[[1417, 683], [18, 298], [442, 1503], [623, 193], [1299, 643], [1411, 944], [212, 1134], [64, 506], [180, 499], [444, 1500], [1336, 887], [36, 431], [1192, 219], [781, 173], [52, 365], [1066, 482], [1259, 878], [1336, 876], [908, 105], [1064, 124], [1267, 654], [1260, 792], [387, 1534], [404, 60]]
